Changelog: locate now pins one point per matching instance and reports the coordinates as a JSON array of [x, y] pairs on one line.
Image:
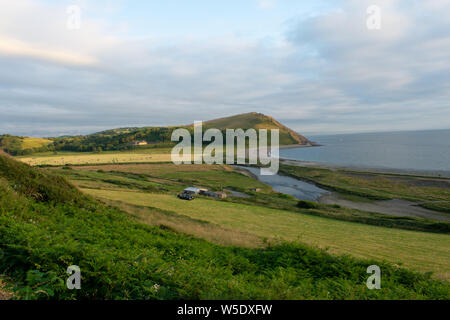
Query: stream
[[307, 191], [288, 185]]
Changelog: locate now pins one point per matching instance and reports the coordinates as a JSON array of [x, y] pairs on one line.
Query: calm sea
[[413, 150]]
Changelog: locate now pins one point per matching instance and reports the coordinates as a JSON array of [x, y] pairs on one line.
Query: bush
[[304, 204], [38, 184]]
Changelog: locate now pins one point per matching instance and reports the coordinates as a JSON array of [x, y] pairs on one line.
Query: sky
[[320, 67]]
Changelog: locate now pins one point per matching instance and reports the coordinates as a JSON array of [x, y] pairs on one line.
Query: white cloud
[[266, 4], [331, 74], [15, 47]]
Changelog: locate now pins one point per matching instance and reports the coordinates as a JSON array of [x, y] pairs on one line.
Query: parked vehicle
[[186, 196]]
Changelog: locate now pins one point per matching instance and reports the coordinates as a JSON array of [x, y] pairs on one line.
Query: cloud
[[326, 73], [392, 71], [15, 47], [266, 4]]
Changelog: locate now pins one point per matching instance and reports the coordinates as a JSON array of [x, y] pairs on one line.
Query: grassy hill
[[156, 137], [15, 145], [46, 225], [257, 121]]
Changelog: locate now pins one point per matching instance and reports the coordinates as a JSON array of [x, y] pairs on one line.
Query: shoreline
[[300, 187], [439, 174], [295, 146]]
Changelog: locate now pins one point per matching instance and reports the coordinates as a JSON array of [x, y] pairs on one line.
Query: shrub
[[38, 184], [304, 204]]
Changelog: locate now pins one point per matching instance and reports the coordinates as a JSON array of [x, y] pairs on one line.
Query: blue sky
[[314, 65]]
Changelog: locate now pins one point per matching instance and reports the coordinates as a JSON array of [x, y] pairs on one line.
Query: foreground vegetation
[[45, 227]]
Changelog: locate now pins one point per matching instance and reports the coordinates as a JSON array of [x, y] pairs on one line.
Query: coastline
[[359, 168], [405, 172], [295, 146], [305, 189], [288, 146]]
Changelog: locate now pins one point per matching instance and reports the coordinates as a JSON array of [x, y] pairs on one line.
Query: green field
[[160, 177], [15, 145], [31, 143], [169, 178], [415, 250], [95, 158]]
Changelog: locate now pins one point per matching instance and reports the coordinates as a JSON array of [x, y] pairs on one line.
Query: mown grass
[[138, 150], [186, 225], [95, 158], [166, 177], [101, 179], [416, 250]]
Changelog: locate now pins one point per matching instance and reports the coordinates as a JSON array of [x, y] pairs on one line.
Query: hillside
[[36, 184], [47, 225], [258, 121], [15, 145], [123, 138]]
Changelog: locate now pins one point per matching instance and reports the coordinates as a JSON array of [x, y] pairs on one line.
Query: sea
[[410, 151]]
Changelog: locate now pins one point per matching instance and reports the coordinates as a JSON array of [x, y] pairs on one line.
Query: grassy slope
[[184, 224], [31, 143], [37, 183], [22, 145], [415, 250], [43, 232], [257, 121]]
